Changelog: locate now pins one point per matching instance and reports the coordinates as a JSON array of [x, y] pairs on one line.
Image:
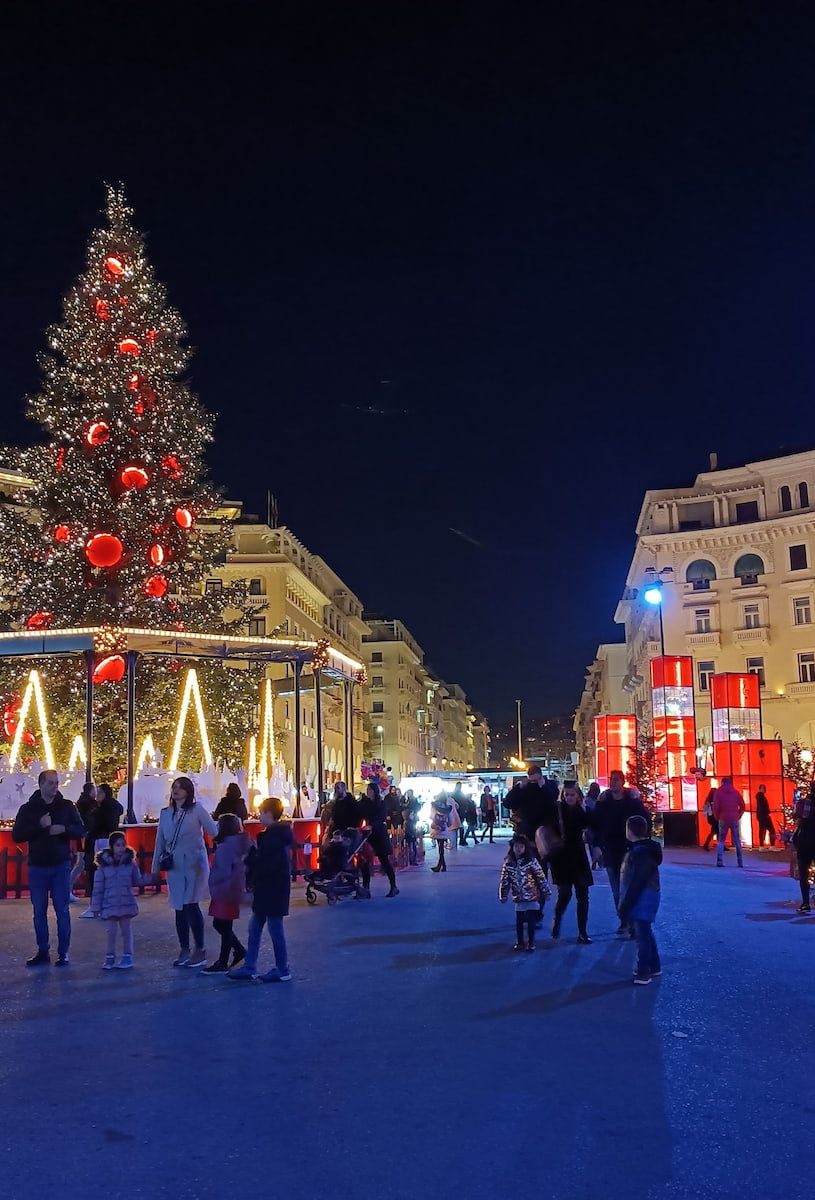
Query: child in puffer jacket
[[522, 876], [114, 880]]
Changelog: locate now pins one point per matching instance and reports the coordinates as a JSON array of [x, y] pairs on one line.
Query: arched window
[[785, 498], [699, 573], [803, 495], [748, 568]]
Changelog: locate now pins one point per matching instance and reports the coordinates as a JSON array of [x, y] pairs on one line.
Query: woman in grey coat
[[181, 828]]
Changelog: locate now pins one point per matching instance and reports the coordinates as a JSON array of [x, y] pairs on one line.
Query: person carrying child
[[522, 877], [639, 895], [269, 874], [112, 898], [227, 888]]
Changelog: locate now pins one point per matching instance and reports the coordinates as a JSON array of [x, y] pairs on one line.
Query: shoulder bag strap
[[171, 847]]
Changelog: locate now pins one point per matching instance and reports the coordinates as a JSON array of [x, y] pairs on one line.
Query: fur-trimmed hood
[[105, 858]]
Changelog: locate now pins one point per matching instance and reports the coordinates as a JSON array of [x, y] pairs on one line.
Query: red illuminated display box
[[615, 745], [674, 726]]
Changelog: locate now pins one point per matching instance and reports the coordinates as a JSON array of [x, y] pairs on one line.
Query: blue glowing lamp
[[653, 594]]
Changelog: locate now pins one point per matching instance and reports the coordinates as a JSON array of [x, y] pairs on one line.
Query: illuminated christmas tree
[[114, 523]]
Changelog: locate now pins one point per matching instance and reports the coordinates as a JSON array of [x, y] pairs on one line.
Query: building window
[[702, 616], [802, 610], [803, 495], [377, 681], [785, 499], [806, 667], [378, 706], [798, 558], [752, 616], [704, 671], [755, 666], [699, 573], [257, 627], [748, 568], [255, 587], [376, 656], [746, 511], [213, 587]]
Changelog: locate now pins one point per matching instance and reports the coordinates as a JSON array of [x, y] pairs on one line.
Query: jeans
[[413, 850], [647, 953], [275, 927], [614, 866], [806, 857], [53, 882], [735, 834]]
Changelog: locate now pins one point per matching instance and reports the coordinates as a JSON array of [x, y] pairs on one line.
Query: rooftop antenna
[[271, 511]]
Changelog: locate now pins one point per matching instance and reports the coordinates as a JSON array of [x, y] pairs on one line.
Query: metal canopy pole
[[132, 656], [89, 664], [298, 666], [318, 705]]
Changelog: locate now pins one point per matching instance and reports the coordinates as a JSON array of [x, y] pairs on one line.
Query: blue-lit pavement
[[414, 1055]]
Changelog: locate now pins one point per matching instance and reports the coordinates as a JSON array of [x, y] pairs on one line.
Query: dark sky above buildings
[[465, 278]]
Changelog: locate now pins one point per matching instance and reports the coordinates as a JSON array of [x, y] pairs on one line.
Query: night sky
[[464, 279]]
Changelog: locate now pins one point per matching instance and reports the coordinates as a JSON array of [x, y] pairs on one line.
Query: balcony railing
[[759, 634], [704, 639], [797, 691]]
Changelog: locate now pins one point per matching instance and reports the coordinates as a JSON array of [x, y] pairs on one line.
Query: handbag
[[549, 841], [165, 862]]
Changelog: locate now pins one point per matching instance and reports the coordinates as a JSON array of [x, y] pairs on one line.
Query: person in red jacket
[[728, 809]]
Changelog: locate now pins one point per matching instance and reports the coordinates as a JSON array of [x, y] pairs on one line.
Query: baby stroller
[[338, 874]]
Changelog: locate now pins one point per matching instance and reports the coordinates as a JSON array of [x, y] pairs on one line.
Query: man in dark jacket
[[49, 823], [639, 896], [268, 869], [533, 804], [608, 819]]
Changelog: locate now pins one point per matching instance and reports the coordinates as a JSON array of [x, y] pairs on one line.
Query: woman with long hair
[[569, 863], [440, 833], [180, 835]]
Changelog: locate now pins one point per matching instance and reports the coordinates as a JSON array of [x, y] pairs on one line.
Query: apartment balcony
[[760, 635], [256, 601], [704, 639], [800, 691]]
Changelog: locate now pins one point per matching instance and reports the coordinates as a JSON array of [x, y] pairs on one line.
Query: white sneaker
[[73, 899], [89, 913]]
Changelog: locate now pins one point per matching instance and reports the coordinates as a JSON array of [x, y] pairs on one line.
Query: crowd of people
[[558, 835]]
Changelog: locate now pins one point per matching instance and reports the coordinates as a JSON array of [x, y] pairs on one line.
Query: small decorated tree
[[115, 522]]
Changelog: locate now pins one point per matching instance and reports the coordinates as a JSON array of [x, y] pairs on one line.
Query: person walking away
[[231, 802], [49, 823], [804, 841], [470, 818], [640, 895], [522, 878], [488, 813], [763, 817], [113, 899], [84, 806], [608, 822], [569, 863], [728, 809], [707, 809], [180, 844], [411, 807], [375, 816], [269, 876], [227, 888], [440, 828]]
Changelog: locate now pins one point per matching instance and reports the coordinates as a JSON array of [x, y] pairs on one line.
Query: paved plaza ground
[[415, 1055]]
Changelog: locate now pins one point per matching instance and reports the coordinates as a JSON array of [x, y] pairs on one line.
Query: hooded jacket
[[113, 885], [639, 881], [269, 870], [47, 849], [524, 881], [227, 875], [728, 804]]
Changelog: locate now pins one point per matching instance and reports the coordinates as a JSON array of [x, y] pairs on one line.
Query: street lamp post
[[380, 730], [520, 739], [653, 595]]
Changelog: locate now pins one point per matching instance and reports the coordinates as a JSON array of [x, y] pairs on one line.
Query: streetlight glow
[[653, 594]]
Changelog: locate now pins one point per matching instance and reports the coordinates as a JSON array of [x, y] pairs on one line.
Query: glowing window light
[[78, 753], [148, 750], [191, 692], [33, 688]]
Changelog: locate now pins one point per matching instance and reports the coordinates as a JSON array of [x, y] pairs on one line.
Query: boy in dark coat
[[639, 895], [269, 876]]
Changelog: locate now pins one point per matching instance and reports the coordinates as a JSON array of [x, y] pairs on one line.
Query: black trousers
[[526, 920], [806, 858], [381, 846], [713, 833], [766, 828], [229, 940], [564, 895], [190, 919]]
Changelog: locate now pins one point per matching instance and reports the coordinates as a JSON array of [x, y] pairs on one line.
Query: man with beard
[[533, 804]]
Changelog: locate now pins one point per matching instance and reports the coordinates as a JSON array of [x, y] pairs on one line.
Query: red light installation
[[674, 727], [615, 745]]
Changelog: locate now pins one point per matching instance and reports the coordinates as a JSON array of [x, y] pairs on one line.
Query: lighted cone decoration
[[104, 550], [110, 669]]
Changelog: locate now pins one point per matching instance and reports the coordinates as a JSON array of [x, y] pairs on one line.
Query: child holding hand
[[522, 877]]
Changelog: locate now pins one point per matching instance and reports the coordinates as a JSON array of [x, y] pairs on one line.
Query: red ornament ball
[[183, 518], [171, 466], [129, 346], [102, 310], [157, 554], [133, 477], [133, 383], [40, 620], [62, 533], [110, 669], [104, 550], [98, 433], [156, 586], [114, 265], [138, 409]]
